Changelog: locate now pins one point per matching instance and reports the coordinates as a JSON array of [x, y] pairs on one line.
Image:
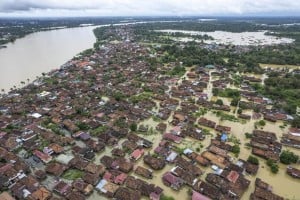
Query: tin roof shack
[[154, 163], [172, 181], [205, 122], [263, 191], [144, 172], [127, 194], [293, 172], [232, 186]]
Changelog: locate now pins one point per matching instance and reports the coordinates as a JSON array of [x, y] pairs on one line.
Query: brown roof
[[41, 194], [6, 196]]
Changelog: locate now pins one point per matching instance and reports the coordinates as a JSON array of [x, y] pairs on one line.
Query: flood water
[[40, 52], [224, 37]]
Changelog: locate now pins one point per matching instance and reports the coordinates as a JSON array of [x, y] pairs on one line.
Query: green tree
[[287, 157], [219, 102], [133, 127], [253, 160]]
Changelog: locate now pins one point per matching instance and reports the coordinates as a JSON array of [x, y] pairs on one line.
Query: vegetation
[[262, 122], [253, 160], [248, 135], [98, 130], [273, 166], [177, 71], [133, 127], [284, 90], [287, 157], [228, 92], [219, 102], [164, 197], [236, 150], [225, 116], [72, 174]]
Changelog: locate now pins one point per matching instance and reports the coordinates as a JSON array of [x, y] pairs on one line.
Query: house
[[82, 187], [172, 138], [56, 148], [137, 154], [127, 194], [198, 196], [171, 157], [185, 175], [172, 181], [90, 178], [41, 194], [107, 188], [62, 188], [40, 175], [294, 172], [154, 163], [6, 196], [75, 196], [144, 172], [44, 157], [214, 159], [56, 169], [263, 191]]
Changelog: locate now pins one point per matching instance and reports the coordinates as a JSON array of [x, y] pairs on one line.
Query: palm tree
[[28, 80]]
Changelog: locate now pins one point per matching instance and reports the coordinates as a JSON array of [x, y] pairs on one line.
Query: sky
[[53, 8]]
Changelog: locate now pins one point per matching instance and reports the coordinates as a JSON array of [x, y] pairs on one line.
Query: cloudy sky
[[36, 8]]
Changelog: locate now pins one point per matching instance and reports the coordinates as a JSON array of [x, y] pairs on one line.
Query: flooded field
[[273, 66], [223, 37]]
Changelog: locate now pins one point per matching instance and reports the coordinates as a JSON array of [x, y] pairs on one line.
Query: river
[[40, 52]]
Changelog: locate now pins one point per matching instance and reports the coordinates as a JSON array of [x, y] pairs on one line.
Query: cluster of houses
[[75, 131]]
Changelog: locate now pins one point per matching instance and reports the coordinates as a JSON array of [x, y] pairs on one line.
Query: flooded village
[[110, 125]]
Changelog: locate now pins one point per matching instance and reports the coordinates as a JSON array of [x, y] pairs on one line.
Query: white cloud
[[146, 7]]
